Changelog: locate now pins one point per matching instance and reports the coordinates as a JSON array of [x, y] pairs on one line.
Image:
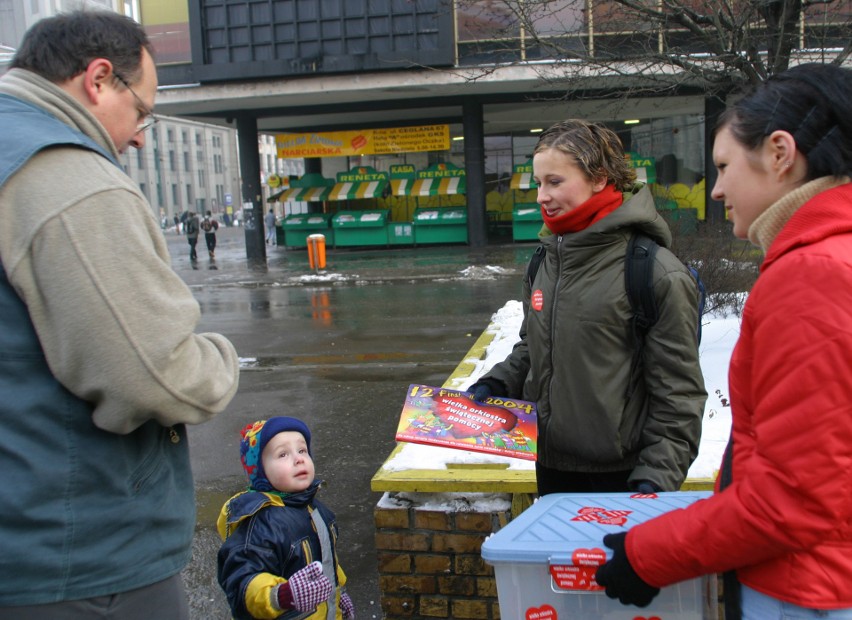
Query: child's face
[[286, 462]]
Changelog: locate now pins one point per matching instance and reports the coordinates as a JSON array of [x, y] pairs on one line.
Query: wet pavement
[[337, 349]]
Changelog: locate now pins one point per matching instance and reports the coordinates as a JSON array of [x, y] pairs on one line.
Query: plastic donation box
[[545, 560]]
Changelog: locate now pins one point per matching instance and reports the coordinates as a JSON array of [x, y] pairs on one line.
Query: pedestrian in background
[[611, 416], [97, 510], [191, 229], [269, 220], [780, 522], [279, 554], [209, 225]]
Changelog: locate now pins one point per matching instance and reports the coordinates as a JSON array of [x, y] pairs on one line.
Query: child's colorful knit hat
[[255, 436]]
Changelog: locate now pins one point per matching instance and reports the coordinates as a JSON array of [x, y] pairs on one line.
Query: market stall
[[352, 228], [681, 206], [526, 214], [444, 218], [294, 229], [440, 225], [364, 221], [311, 187], [297, 227]]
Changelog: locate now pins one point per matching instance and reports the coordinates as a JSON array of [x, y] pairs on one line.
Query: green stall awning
[[302, 194], [437, 187], [354, 191], [522, 180]]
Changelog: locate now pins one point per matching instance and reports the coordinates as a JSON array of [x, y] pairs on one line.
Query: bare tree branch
[[715, 45]]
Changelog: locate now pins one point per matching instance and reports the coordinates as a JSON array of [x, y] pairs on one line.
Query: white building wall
[[187, 166]]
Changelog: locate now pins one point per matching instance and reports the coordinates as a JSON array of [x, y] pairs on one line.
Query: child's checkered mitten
[[305, 589]]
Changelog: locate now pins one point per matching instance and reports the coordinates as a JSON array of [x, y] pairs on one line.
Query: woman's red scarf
[[595, 208]]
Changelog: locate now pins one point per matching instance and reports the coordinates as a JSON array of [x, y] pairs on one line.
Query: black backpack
[[638, 282]]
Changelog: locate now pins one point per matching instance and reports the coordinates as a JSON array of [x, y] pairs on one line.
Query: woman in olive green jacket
[[605, 423]]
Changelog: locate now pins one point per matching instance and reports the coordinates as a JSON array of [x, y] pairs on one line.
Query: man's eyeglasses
[[147, 115]]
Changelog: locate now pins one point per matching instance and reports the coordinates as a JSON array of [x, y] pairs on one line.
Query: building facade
[[185, 165], [494, 72]]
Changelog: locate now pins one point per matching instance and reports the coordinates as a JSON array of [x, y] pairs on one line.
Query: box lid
[[559, 526]]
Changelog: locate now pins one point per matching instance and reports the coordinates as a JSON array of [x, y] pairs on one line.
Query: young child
[[278, 558]]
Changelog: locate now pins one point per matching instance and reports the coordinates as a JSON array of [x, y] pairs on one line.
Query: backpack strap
[[639, 284], [534, 264]]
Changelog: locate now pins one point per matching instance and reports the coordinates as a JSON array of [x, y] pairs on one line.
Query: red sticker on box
[[574, 577], [592, 514], [581, 574], [545, 612], [588, 557]]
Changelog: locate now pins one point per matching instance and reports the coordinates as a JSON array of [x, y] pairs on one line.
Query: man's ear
[[95, 78]]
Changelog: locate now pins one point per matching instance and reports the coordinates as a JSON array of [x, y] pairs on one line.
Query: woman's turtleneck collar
[[768, 224]]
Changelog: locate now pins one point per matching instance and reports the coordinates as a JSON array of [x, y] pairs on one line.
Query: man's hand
[[619, 579]]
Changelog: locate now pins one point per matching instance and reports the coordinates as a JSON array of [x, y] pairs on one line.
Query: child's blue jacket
[[267, 538]]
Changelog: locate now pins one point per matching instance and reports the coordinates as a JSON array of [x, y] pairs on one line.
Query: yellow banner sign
[[364, 142]]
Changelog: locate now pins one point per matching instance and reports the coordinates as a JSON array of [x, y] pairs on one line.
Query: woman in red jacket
[[781, 519]]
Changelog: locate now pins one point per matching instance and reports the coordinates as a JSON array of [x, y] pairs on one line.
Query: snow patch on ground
[[486, 272]]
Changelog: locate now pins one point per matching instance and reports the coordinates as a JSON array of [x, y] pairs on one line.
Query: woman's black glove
[[484, 388], [619, 579], [646, 487]]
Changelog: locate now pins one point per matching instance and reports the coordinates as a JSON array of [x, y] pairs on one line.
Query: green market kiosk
[[362, 187], [526, 214], [296, 227], [443, 217]]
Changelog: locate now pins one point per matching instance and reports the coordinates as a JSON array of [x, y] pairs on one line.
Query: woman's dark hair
[[61, 47], [813, 102], [597, 150]]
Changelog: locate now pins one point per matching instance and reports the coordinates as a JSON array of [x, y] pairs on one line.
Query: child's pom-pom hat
[[255, 436]]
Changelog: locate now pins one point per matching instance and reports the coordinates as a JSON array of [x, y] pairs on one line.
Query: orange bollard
[[316, 251]]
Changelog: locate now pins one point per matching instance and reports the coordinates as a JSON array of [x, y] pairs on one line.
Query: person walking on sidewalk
[[191, 227], [209, 225], [269, 220], [97, 510]]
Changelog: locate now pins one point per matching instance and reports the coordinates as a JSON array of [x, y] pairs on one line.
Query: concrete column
[[713, 108], [252, 196], [313, 165], [474, 166]]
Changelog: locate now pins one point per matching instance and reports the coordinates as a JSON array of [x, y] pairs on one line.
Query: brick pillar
[[430, 564]]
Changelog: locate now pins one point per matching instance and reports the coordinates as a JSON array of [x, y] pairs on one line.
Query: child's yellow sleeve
[[261, 596]]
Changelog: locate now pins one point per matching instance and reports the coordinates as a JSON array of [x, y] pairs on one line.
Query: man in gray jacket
[[101, 367]]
